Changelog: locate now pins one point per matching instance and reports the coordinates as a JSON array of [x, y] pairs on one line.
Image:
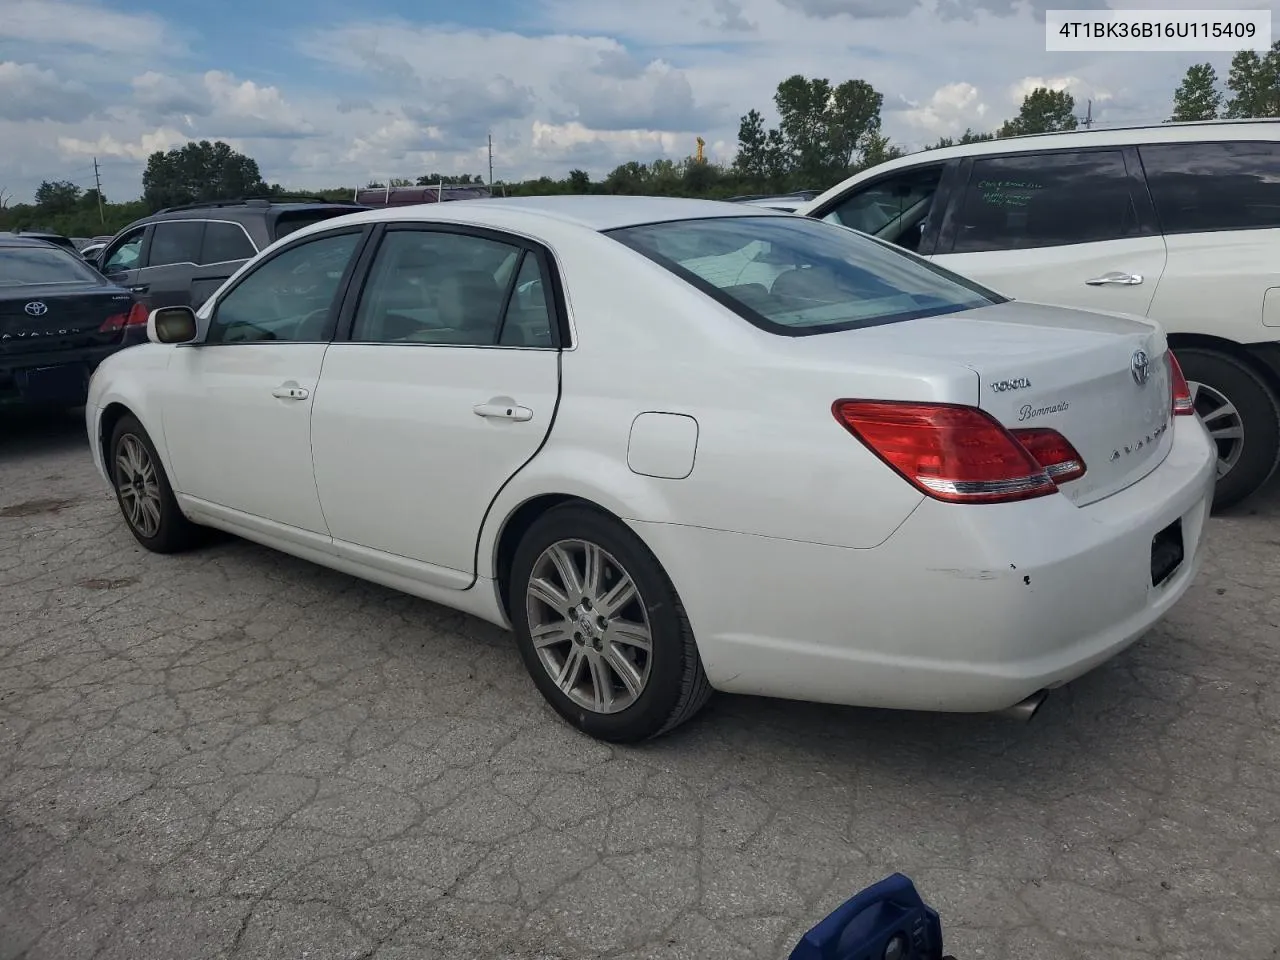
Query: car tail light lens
[[953, 453], [1183, 404], [1052, 451], [137, 316]]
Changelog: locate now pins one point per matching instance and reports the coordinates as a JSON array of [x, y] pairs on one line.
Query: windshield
[[797, 276], [20, 266]]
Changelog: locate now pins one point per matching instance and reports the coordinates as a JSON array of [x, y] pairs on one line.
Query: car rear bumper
[[57, 378], [965, 608]]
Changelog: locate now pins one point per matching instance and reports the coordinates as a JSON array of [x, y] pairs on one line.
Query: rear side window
[[1199, 187], [225, 242], [1045, 200], [176, 241], [289, 221], [796, 276]]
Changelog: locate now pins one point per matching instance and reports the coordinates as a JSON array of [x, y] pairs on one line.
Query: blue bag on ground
[[886, 921]]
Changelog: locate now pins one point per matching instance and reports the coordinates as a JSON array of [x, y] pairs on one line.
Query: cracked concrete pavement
[[236, 754]]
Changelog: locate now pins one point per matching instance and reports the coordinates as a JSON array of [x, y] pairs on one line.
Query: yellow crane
[[701, 143]]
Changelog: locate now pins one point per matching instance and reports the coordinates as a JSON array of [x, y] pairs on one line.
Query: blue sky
[[328, 92]]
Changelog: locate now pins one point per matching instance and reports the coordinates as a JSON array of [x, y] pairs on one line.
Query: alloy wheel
[[1223, 421], [589, 626], [139, 486]]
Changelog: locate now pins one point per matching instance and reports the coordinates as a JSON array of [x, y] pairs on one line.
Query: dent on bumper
[[963, 609]]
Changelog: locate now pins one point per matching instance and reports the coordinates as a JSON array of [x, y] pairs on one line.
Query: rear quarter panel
[[771, 459]]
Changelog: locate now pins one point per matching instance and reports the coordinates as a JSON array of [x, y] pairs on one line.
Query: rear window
[[25, 265], [290, 221], [1201, 187], [796, 276]]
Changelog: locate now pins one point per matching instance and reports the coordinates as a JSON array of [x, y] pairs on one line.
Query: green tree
[[752, 159], [628, 178], [1197, 97], [57, 196], [878, 149], [823, 127], [200, 172], [969, 136], [1043, 111], [1254, 83], [853, 125]]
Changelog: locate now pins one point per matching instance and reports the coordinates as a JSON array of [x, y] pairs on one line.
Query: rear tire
[[146, 500], [1241, 413], [614, 655]]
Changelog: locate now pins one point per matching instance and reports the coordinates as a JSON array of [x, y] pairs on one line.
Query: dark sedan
[[59, 318]]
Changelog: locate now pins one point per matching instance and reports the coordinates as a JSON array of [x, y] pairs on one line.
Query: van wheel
[[1242, 415], [601, 629]]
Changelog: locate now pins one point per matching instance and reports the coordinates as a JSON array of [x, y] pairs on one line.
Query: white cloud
[[951, 109], [242, 108], [28, 92], [106, 145], [164, 95], [71, 23], [576, 83], [1078, 88]]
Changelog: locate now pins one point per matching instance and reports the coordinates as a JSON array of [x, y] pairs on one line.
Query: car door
[[237, 406], [1073, 227], [172, 257], [225, 247], [123, 258], [443, 388]]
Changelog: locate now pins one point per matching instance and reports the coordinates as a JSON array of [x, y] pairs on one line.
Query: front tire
[[1240, 411], [142, 490], [601, 629]]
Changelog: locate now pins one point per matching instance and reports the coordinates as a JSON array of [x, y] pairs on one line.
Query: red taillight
[[1183, 404], [137, 316], [1053, 452], [952, 453]]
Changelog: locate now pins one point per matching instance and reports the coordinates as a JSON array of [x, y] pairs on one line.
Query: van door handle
[[502, 408], [1117, 278], [290, 391]]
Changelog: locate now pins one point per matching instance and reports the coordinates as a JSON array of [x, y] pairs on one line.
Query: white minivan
[[1178, 222]]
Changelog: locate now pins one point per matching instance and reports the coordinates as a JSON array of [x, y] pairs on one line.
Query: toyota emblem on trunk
[[36, 308], [1140, 367]]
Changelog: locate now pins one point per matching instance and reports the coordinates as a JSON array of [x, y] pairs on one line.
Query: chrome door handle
[[1116, 277], [502, 408], [290, 391]]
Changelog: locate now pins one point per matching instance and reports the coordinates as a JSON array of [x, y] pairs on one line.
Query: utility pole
[[491, 161], [97, 179]]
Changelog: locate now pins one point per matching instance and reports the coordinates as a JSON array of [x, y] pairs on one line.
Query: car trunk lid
[[1101, 380], [61, 317]]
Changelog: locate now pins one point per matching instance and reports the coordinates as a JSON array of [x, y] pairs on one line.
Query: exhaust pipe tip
[[1024, 710]]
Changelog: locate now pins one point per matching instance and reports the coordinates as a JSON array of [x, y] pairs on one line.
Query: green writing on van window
[[1008, 193]]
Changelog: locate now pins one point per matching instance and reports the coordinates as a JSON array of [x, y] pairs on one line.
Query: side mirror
[[171, 325]]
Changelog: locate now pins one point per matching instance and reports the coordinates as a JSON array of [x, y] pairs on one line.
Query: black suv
[[179, 256]]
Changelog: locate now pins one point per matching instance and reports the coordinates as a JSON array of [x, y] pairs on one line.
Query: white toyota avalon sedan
[[678, 446]]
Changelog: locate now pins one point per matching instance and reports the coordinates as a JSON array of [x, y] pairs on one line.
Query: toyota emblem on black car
[[36, 308], [1140, 367]]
